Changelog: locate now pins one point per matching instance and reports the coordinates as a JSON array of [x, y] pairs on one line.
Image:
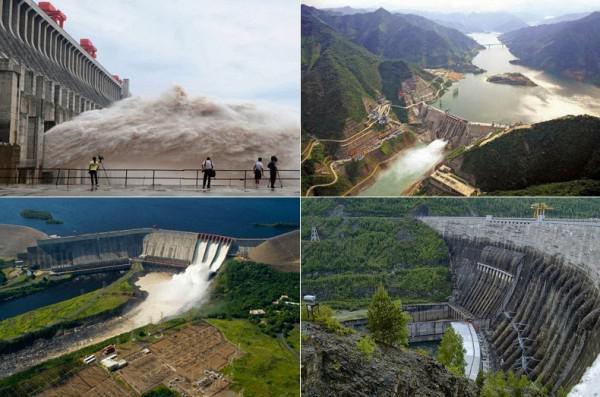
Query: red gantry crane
[[57, 15]]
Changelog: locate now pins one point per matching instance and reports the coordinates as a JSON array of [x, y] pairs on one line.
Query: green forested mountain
[[474, 22], [355, 255], [569, 48], [560, 150], [337, 74], [412, 38], [348, 57], [572, 207]]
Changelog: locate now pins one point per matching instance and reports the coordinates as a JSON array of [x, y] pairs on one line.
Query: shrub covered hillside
[[355, 255], [560, 150], [563, 207]]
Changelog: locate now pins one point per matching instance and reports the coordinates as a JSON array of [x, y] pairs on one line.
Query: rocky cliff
[[333, 366]]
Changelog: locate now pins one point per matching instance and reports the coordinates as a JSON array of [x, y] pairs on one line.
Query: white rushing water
[[590, 382], [408, 168], [176, 131], [169, 296]]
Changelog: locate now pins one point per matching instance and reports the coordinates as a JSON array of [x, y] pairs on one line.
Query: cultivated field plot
[[187, 361], [92, 381]]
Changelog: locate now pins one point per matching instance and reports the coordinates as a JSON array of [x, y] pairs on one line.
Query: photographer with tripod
[[93, 170]]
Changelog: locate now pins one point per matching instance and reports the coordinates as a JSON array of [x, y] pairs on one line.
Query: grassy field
[[293, 339], [266, 368], [78, 308]]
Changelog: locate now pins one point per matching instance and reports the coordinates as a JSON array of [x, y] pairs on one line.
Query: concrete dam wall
[[538, 292], [154, 248], [46, 78], [87, 251], [453, 129]]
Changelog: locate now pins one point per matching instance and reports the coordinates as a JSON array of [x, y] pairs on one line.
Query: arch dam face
[[46, 78], [536, 283]]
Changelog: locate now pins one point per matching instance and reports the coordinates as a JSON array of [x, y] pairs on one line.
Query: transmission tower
[[314, 235], [539, 210]]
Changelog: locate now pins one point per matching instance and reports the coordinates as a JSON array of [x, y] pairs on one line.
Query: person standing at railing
[[258, 171], [93, 170], [208, 169], [273, 171]]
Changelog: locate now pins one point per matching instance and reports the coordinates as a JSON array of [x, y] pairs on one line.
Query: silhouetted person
[[258, 171], [93, 170], [273, 171], [209, 171]]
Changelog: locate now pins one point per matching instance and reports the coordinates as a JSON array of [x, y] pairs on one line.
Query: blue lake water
[[226, 216], [57, 293]]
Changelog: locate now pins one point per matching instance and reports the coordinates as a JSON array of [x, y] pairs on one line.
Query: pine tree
[[451, 352], [386, 321]]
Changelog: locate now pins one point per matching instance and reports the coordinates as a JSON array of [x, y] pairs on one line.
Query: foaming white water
[[177, 294], [590, 382], [176, 131], [407, 169]]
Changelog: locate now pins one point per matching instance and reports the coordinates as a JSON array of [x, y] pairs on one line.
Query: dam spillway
[[533, 285]]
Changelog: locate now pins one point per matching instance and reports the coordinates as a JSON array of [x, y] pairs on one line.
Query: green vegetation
[[561, 150], [578, 187], [266, 368], [323, 316], [335, 208], [336, 75], [502, 384], [48, 319], [293, 338], [277, 225], [451, 353], [355, 255], [386, 148], [403, 36], [161, 391], [2, 279], [386, 321], [41, 215], [564, 48], [23, 285], [366, 345], [244, 286]]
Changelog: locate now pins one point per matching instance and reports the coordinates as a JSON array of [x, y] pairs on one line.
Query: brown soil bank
[[282, 253], [15, 239]]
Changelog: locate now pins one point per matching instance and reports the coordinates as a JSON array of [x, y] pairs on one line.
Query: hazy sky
[[547, 7], [230, 49]]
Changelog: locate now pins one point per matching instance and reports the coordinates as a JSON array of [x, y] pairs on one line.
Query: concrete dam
[[452, 129], [46, 77], [531, 286], [154, 248]]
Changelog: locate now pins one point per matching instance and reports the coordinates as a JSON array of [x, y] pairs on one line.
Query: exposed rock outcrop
[[333, 366]]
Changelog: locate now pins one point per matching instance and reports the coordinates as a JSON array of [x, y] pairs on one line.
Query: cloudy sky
[[229, 49], [544, 7]]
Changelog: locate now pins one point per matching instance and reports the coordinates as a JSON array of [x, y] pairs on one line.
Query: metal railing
[[148, 178]]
